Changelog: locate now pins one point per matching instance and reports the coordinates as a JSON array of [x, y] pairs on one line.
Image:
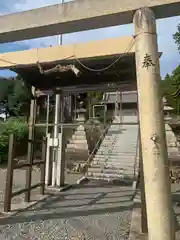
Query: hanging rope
[[128, 49]]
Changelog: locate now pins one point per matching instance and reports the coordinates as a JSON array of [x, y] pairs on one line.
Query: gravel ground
[[93, 211], [19, 183]]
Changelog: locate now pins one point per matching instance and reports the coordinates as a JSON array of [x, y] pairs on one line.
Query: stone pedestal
[[77, 148], [170, 136], [171, 142]]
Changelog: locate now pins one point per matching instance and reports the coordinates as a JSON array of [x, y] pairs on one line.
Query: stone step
[[110, 162], [79, 133], [118, 156], [113, 154], [80, 162], [111, 166], [109, 139], [77, 146], [119, 150], [114, 161], [125, 148], [105, 176], [77, 152], [77, 157], [124, 142], [112, 137], [116, 151], [71, 155], [118, 147], [125, 145], [127, 171], [105, 145], [123, 151], [118, 164], [74, 137], [78, 141], [129, 152], [108, 154]]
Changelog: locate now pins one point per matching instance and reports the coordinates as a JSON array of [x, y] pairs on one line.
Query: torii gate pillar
[[154, 149]]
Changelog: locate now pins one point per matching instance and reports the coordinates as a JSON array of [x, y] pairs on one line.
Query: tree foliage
[[169, 86], [171, 83], [14, 97], [176, 37]]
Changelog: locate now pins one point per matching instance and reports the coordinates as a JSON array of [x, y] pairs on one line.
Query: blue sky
[[166, 28]]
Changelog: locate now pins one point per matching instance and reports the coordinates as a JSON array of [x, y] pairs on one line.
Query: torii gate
[[91, 14]]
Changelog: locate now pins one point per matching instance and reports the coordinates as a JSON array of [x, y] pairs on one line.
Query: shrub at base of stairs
[[19, 128]]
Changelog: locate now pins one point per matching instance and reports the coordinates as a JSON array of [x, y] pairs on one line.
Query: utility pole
[[153, 140], [60, 37]]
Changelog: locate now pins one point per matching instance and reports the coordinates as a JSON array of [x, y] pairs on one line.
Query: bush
[[15, 126], [19, 128]]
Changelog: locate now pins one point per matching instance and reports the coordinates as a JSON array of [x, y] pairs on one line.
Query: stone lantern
[[81, 113], [167, 110], [77, 148]]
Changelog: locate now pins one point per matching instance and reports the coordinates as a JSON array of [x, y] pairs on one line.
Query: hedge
[[19, 128]]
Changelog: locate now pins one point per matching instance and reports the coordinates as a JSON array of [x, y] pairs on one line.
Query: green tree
[[176, 84], [170, 89], [171, 83], [14, 97], [176, 37]]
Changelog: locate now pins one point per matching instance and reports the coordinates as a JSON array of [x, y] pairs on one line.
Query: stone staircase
[[118, 153]]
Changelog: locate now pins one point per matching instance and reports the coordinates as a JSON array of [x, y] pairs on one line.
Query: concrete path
[[94, 211]]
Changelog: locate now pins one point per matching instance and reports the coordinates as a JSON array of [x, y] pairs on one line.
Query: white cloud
[[166, 28]]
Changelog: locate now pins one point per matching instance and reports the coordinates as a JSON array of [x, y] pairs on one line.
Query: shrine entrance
[[154, 150], [64, 118]]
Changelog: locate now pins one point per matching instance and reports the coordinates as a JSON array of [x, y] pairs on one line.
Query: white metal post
[[60, 37], [60, 150], [116, 104], [55, 137], [121, 108], [47, 114], [75, 108], [105, 114], [47, 160]]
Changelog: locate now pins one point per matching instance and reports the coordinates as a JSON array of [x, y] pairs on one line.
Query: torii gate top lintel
[[77, 16]]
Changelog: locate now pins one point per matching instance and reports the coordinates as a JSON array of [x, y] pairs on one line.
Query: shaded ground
[[19, 183], [85, 212]]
